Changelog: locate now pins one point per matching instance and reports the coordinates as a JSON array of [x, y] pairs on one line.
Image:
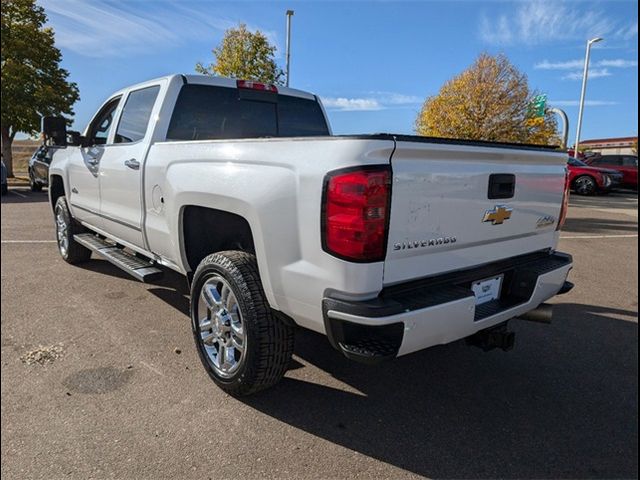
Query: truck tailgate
[[443, 219]]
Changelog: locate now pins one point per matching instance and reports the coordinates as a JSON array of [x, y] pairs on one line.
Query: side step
[[370, 351], [143, 270]]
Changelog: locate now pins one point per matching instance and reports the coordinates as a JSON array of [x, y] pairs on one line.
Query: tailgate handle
[[502, 185]]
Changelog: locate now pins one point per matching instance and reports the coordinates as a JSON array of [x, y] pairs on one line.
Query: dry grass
[[22, 151]]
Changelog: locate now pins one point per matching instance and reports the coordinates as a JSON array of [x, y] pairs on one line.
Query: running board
[[139, 268]]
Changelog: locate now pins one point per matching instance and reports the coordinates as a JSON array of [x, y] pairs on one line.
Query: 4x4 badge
[[498, 215]]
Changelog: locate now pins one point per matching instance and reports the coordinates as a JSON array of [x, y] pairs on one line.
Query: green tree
[[33, 84], [488, 101], [246, 55]]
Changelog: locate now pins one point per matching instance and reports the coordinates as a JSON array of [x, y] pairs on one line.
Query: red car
[[587, 180], [627, 164]]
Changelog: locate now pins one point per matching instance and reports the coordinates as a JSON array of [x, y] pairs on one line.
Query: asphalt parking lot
[[125, 395]]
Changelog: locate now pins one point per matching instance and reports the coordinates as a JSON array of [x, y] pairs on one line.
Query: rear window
[[205, 112]]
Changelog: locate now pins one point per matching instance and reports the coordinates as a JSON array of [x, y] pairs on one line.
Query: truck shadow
[[171, 288], [562, 404]]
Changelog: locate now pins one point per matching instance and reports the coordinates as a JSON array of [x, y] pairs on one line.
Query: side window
[[135, 115], [629, 161], [612, 160], [101, 125]]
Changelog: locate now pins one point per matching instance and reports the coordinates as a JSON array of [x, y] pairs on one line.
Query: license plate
[[487, 289]]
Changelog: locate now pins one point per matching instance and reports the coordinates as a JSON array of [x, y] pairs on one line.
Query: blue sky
[[373, 63]]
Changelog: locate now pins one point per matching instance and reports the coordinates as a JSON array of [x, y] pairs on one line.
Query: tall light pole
[[288, 48], [583, 92], [565, 126]]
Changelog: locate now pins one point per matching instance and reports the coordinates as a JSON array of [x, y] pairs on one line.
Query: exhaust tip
[[542, 314]]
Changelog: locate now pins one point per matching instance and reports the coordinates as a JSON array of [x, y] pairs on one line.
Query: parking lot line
[[572, 237], [28, 241], [19, 194]]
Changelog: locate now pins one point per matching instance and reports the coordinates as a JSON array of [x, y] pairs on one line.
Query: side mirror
[[55, 129], [74, 139]]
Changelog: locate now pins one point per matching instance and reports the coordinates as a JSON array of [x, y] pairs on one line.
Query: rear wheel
[[243, 346], [66, 227], [585, 185]]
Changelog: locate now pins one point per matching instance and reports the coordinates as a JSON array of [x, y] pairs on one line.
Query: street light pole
[[288, 47], [565, 126], [583, 92]]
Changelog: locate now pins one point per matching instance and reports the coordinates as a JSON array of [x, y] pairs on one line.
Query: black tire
[[74, 252], [4, 189], [269, 341], [585, 185], [35, 187]]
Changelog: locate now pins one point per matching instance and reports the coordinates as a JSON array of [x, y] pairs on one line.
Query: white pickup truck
[[387, 244]]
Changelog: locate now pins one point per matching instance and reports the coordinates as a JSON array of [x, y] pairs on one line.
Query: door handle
[[133, 164]]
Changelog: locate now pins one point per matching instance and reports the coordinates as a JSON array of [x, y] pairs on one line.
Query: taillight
[[564, 209], [250, 85], [355, 213]]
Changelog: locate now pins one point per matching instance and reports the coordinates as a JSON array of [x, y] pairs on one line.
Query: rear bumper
[[420, 314]]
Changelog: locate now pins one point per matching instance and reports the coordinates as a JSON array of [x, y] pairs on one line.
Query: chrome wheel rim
[[62, 230], [584, 185], [220, 326]]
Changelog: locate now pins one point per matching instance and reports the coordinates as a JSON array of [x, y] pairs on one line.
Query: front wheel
[[66, 227], [585, 185], [243, 346], [33, 185]]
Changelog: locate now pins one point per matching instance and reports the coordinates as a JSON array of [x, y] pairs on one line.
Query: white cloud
[[374, 100], [393, 98], [565, 65], [579, 63], [593, 73], [351, 104], [116, 29], [538, 22], [628, 32], [617, 63], [575, 103]]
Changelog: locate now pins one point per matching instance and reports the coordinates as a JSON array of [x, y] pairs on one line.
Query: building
[[621, 145]]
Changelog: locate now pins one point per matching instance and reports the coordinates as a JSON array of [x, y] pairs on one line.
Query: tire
[[230, 314], [35, 187], [66, 227], [4, 189], [585, 185]]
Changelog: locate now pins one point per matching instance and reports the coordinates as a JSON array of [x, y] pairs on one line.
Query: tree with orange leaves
[[488, 101]]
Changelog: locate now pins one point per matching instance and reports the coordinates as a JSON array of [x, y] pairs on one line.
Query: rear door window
[[205, 112]]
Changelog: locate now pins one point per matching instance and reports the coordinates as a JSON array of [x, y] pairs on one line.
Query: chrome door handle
[[133, 164]]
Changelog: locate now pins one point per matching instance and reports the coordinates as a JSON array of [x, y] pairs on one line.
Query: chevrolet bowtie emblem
[[498, 215]]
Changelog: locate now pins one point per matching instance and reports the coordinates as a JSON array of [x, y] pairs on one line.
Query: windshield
[[574, 162]]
